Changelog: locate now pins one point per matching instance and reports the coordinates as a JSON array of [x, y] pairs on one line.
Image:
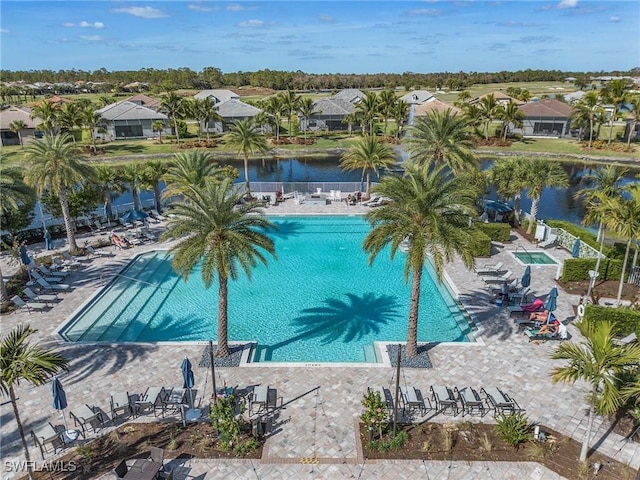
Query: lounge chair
[[470, 401], [499, 279], [120, 406], [626, 340], [412, 400], [371, 201], [520, 296], [69, 259], [156, 454], [500, 402], [551, 241], [174, 399], [49, 273], [18, 302], [380, 201], [152, 400], [534, 334], [98, 253], [512, 285], [536, 306], [37, 276], [98, 226], [52, 286], [46, 435], [44, 298], [263, 399], [444, 399], [157, 215], [86, 417], [490, 269]]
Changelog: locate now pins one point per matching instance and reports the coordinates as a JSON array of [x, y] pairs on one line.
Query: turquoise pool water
[[319, 301], [534, 258]]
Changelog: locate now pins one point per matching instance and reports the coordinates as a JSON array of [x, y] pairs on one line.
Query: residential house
[[217, 96], [635, 137], [351, 95], [329, 114], [546, 117], [230, 111], [417, 97], [12, 114], [126, 120], [501, 99], [145, 101], [433, 104]]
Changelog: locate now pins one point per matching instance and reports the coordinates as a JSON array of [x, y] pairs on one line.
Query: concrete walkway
[[322, 403]]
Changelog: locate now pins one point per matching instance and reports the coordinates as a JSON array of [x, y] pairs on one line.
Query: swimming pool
[[319, 301], [534, 258]]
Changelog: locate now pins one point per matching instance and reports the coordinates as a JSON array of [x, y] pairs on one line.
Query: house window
[[128, 131]]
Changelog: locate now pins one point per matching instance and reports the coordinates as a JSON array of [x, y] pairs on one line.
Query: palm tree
[[615, 92], [510, 114], [588, 109], [432, 208], [158, 126], [244, 136], [400, 114], [205, 112], [47, 111], [109, 181], [600, 363], [222, 234], [489, 109], [603, 184], [635, 118], [622, 215], [55, 166], [175, 108], [188, 169], [508, 175], [91, 120], [368, 155], [290, 104], [14, 194], [135, 174], [541, 173], [155, 170], [386, 103], [275, 107], [306, 110], [22, 361], [17, 126], [367, 110], [442, 138], [69, 117]]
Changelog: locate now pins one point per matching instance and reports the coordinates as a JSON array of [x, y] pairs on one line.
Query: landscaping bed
[[481, 442]]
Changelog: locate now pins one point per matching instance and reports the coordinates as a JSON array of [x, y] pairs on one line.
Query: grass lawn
[[536, 89]]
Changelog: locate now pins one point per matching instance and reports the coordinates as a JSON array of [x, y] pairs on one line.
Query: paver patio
[[322, 402]]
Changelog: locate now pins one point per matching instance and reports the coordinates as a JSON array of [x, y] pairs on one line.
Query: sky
[[321, 37]]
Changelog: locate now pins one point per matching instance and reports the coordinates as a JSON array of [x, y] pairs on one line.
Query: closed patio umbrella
[[551, 300], [575, 251], [526, 277], [24, 256], [60, 402], [187, 377], [134, 216]]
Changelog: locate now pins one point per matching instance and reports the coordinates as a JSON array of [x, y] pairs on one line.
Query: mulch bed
[[481, 442]]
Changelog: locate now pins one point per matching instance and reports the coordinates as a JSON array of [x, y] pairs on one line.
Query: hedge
[[480, 243], [615, 251], [499, 232], [576, 269], [624, 320]]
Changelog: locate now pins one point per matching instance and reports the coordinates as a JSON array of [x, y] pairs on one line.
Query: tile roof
[[546, 107], [220, 95], [333, 106], [145, 100], [352, 95], [433, 104], [11, 114], [126, 110], [417, 96], [236, 108]]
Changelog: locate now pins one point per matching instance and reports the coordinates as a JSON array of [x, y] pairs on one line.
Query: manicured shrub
[[624, 320], [576, 269], [615, 251], [514, 429], [499, 232], [480, 243], [374, 416]]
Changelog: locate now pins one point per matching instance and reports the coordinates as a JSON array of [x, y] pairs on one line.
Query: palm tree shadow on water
[[338, 320]]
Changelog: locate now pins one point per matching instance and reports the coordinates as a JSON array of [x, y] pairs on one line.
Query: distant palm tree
[[276, 108], [135, 174], [386, 103], [489, 109], [368, 155], [541, 173], [635, 118], [189, 170], [599, 363], [155, 170], [306, 110], [442, 138], [432, 209], [54, 165], [510, 114], [244, 136], [158, 126], [17, 126], [509, 177], [91, 120], [108, 178], [290, 103], [400, 114], [47, 111], [175, 108], [367, 110], [22, 361], [204, 111], [69, 117], [615, 92], [588, 109], [222, 234]]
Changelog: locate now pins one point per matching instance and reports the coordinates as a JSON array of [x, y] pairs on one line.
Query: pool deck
[[321, 403]]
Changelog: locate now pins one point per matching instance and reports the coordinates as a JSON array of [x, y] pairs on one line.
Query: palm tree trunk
[[533, 214], [68, 221], [108, 206], [136, 198], [516, 208], [632, 130], [247, 185], [4, 295], [175, 125], [368, 182], [610, 131], [592, 281], [156, 196], [223, 345], [624, 270], [585, 443], [412, 333], [27, 457], [590, 131]]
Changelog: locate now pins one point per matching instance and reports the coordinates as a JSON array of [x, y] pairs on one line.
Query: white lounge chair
[[37, 276], [18, 302], [53, 286], [49, 273], [499, 401], [370, 201], [157, 215], [490, 269], [98, 253], [69, 259], [44, 298], [549, 242], [632, 337], [506, 276]]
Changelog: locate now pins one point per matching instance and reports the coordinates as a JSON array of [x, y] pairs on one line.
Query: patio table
[[143, 470]]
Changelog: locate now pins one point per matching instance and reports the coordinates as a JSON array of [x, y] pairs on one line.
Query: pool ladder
[[529, 256]]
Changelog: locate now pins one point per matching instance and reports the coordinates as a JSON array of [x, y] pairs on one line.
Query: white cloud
[[201, 8], [4, 30], [142, 12], [235, 8], [614, 19], [69, 25], [251, 24], [429, 12], [97, 25], [92, 38], [568, 4], [326, 18]]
